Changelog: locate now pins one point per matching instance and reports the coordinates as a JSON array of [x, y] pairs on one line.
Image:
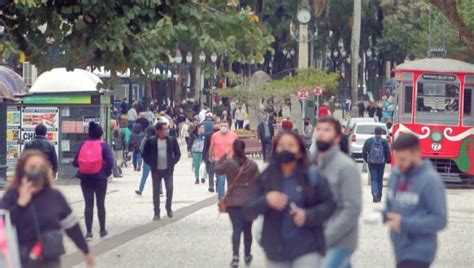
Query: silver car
[[360, 133]]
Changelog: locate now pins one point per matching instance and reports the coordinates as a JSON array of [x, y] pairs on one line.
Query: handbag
[[222, 202], [51, 241]]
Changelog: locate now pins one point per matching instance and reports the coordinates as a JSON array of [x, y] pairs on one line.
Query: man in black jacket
[[205, 156], [161, 154], [376, 153], [42, 144], [265, 135]]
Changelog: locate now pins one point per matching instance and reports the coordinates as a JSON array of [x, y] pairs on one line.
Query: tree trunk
[[449, 9], [355, 44]]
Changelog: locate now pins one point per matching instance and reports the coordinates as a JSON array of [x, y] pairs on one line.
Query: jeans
[[337, 258], [266, 147], [240, 225], [210, 173], [145, 174], [239, 124], [158, 176], [376, 179], [305, 261], [89, 188], [197, 159], [413, 264], [220, 185], [137, 160]]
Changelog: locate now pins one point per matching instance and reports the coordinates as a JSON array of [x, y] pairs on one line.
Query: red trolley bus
[[435, 102]]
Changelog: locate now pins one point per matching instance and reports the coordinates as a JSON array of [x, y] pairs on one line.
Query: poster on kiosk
[[33, 116]]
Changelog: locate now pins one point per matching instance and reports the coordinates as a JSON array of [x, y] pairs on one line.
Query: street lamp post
[[210, 95], [179, 60], [189, 60]]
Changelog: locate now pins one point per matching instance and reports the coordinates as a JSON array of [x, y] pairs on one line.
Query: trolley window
[[468, 102], [408, 94], [437, 102]]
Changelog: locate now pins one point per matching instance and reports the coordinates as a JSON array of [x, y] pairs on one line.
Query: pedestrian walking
[[332, 105], [42, 144], [125, 134], [221, 144], [134, 146], [239, 117], [371, 109], [208, 123], [150, 115], [415, 209], [94, 162], [265, 133], [379, 111], [341, 231], [307, 133], [241, 174], [149, 133], [132, 116], [196, 141], [124, 106], [361, 106], [323, 110], [38, 211], [225, 116], [162, 153], [118, 144], [143, 121], [295, 201], [376, 152], [202, 114], [205, 155]]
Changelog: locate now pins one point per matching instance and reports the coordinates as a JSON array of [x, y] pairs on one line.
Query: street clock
[[304, 16]]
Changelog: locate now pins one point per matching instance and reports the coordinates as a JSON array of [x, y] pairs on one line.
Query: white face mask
[[224, 129]]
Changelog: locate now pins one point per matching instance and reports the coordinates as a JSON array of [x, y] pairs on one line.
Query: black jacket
[[42, 144], [150, 152], [207, 145], [368, 144], [261, 130], [319, 206]]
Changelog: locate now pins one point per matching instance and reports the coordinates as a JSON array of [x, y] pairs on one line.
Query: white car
[[361, 132], [350, 125]]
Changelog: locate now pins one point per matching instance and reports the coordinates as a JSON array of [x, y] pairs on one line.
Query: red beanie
[[286, 125]]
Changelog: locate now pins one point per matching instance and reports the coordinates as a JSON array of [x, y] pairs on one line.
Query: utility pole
[[355, 45]]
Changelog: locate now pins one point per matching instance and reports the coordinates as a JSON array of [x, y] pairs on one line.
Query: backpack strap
[[313, 175]]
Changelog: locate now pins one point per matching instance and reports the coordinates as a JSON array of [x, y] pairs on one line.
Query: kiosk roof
[[60, 80], [438, 65]]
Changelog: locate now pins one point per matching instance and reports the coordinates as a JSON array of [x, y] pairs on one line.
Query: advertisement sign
[[75, 99], [33, 116], [13, 136]]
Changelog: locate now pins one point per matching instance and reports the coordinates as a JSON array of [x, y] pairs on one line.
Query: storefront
[[65, 113]]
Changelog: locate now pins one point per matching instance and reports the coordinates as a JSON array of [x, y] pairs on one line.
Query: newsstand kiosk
[[65, 102]]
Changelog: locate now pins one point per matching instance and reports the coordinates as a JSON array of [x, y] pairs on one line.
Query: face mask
[[306, 123], [36, 176], [285, 157], [224, 129], [323, 145], [166, 133]]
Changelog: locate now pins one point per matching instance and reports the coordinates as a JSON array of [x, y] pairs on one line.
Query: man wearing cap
[[208, 123]]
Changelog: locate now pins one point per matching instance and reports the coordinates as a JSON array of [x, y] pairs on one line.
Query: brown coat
[[240, 193]]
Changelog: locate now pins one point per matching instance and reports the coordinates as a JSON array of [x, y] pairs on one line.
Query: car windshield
[[352, 122], [368, 129]]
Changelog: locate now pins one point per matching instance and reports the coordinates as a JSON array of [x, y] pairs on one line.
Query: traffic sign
[[318, 91], [302, 94]]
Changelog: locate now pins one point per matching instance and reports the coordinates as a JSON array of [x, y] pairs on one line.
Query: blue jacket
[[419, 197], [208, 126], [106, 170], [261, 130]]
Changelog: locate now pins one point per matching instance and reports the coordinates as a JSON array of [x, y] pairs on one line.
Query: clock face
[[304, 16]]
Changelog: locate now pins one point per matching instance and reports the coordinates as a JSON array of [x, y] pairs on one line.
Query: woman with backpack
[[95, 162], [241, 174], [295, 201], [134, 146], [40, 213], [196, 143]]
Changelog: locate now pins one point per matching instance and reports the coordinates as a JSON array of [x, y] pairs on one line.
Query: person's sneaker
[[196, 181], [235, 262], [203, 180], [374, 199], [104, 233], [211, 190], [170, 214], [88, 237], [156, 218], [139, 169], [138, 192], [248, 259]]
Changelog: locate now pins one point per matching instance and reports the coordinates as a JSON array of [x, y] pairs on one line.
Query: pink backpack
[[90, 157]]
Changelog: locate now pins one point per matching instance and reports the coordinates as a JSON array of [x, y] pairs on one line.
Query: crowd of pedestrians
[[307, 201]]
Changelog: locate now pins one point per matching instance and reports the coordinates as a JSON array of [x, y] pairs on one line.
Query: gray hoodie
[[419, 197], [341, 230]]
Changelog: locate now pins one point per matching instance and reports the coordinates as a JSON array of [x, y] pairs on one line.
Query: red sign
[[302, 94], [318, 91]]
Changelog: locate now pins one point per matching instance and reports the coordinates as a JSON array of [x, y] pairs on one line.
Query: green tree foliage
[[284, 88], [119, 34]]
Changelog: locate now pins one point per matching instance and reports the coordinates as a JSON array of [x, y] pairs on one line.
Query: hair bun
[[92, 124]]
